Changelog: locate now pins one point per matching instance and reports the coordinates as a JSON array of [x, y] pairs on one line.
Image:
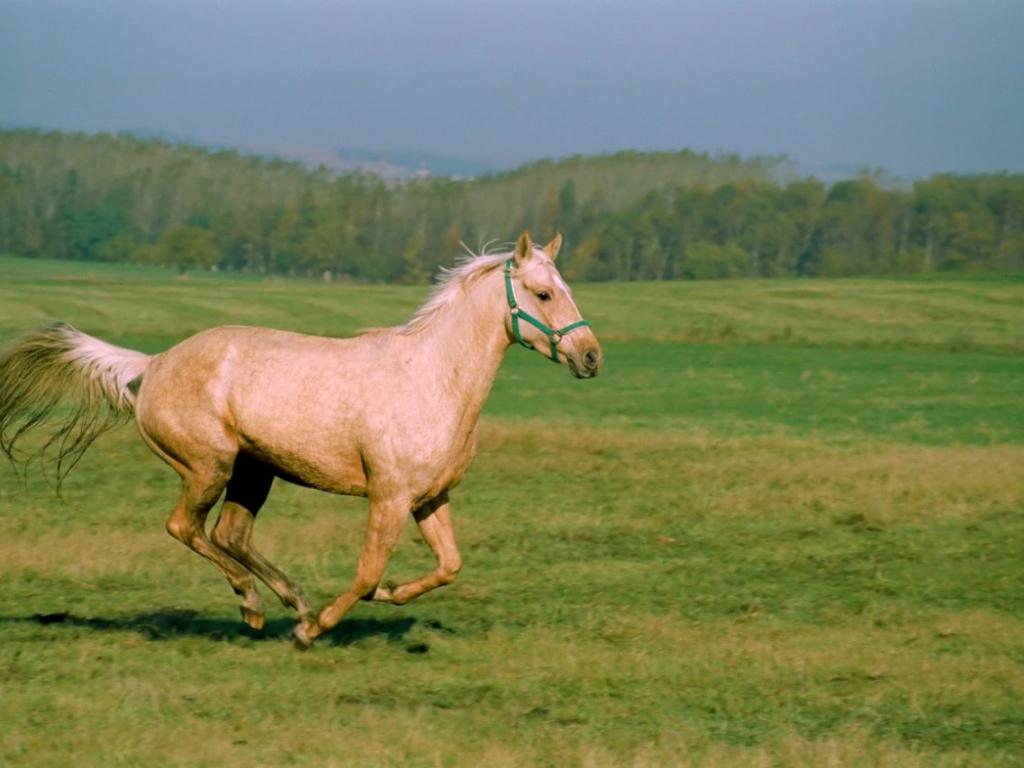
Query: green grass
[[741, 389], [784, 527]]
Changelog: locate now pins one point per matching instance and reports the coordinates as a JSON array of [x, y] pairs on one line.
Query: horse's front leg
[[387, 518], [435, 523]]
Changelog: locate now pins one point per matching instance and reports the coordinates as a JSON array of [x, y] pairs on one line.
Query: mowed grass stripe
[[957, 316], [834, 394]]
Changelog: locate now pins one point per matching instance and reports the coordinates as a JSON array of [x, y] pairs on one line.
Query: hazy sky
[[915, 87]]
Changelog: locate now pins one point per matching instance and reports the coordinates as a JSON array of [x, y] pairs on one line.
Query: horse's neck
[[465, 344]]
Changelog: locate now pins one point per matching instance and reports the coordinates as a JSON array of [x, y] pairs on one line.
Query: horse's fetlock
[[305, 632]]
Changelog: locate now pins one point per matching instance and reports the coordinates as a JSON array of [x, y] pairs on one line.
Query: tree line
[[625, 216]]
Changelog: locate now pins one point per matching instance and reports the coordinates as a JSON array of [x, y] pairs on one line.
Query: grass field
[[784, 527]]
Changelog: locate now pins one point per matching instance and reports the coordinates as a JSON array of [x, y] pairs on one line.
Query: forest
[[625, 216]]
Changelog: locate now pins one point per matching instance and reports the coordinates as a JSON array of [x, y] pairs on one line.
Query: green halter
[[554, 334]]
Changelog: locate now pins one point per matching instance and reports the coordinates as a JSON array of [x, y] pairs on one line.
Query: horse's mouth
[[579, 371]]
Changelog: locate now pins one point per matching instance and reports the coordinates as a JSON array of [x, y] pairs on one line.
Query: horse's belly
[[296, 421], [306, 447], [337, 470]]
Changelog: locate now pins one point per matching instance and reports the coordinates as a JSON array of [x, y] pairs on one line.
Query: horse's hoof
[[254, 619], [301, 637]]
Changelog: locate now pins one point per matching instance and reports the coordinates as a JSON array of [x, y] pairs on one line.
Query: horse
[[390, 414]]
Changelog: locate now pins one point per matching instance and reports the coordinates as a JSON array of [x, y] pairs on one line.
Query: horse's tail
[[57, 365]]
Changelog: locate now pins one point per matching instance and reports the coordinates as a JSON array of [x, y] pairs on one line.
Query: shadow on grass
[[171, 624]]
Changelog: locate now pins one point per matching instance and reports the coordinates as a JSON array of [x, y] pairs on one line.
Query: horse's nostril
[[590, 359]]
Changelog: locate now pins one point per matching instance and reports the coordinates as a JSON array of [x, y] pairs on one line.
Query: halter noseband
[[554, 335]]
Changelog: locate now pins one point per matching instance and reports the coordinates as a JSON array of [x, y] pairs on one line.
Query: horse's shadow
[[171, 624]]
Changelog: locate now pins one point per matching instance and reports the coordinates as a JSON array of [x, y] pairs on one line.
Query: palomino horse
[[390, 414]]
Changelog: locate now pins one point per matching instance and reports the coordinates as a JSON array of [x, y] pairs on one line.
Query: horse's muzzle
[[587, 365]]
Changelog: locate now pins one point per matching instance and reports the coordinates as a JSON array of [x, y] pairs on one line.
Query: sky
[[914, 87]]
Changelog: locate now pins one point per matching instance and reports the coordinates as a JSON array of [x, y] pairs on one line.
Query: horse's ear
[[552, 248], [524, 248]]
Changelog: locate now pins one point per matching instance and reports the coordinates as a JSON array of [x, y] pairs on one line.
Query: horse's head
[[542, 314]]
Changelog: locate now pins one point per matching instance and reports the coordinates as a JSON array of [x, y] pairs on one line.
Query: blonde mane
[[450, 286]]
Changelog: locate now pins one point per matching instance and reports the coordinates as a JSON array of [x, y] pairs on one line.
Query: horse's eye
[[543, 295]]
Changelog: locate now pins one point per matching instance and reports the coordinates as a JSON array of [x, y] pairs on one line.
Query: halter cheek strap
[[554, 335]]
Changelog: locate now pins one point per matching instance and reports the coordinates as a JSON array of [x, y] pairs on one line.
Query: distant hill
[[645, 168], [390, 165], [398, 216]]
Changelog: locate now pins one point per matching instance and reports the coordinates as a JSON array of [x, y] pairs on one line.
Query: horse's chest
[[446, 461], [426, 464], [460, 458]]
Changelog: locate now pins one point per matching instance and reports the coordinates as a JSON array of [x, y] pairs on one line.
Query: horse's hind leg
[[435, 523], [200, 491], [247, 490]]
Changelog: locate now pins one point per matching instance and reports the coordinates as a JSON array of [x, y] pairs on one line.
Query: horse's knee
[[365, 587], [449, 571], [367, 580], [447, 577], [369, 573]]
